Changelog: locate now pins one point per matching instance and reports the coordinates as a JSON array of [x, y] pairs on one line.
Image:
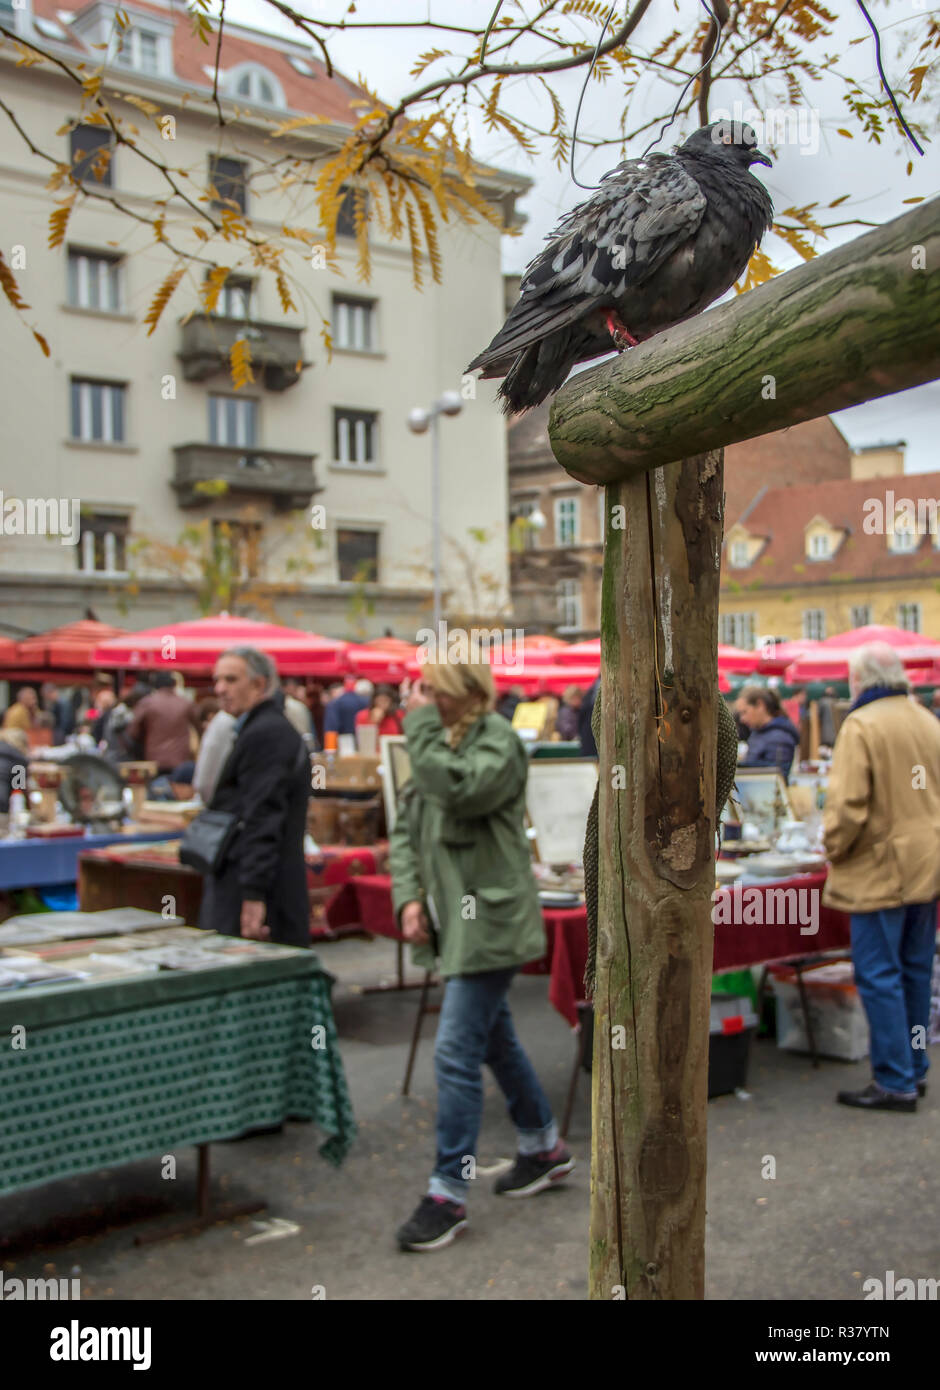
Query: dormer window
[[904, 539], [740, 555], [819, 546], [255, 84], [143, 50]]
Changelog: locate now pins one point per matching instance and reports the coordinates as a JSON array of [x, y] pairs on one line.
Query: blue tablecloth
[[40, 863]]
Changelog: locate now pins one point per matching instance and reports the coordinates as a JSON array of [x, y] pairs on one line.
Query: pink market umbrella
[[830, 659], [194, 647], [734, 661], [775, 657]]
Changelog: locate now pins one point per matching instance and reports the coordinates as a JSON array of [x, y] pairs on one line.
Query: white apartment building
[[131, 424]]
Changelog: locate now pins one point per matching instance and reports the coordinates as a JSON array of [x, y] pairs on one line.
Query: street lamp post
[[418, 421]]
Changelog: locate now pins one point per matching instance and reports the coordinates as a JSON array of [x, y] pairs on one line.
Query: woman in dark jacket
[[773, 739]]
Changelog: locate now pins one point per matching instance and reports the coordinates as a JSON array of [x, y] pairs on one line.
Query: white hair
[[364, 687], [876, 664], [259, 664]]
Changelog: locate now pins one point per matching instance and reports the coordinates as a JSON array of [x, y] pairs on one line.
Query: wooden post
[[657, 850]]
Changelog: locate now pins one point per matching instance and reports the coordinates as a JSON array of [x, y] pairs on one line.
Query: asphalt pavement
[[854, 1194]]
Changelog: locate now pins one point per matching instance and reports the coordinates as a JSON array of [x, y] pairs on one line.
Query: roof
[[318, 95], [811, 452], [782, 514]]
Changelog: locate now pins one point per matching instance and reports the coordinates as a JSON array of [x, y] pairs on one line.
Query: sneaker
[[532, 1173], [434, 1223], [874, 1098]]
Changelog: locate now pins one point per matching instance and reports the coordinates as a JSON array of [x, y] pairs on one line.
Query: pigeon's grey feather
[[657, 242]]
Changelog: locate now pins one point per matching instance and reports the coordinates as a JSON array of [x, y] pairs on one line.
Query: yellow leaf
[[148, 107], [58, 221], [326, 333], [10, 288], [162, 298], [415, 246], [283, 291], [296, 122], [917, 80], [912, 200], [240, 361], [42, 343], [212, 286], [846, 133], [91, 85]]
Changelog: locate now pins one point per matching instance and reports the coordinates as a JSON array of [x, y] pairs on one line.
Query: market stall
[[163, 1037]]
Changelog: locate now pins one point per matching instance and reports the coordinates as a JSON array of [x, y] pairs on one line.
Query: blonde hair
[[462, 679]]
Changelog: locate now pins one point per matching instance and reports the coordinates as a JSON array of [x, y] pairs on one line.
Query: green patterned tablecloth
[[112, 1073]]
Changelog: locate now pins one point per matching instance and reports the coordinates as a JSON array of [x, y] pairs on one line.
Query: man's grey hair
[[364, 687], [259, 664], [876, 664]]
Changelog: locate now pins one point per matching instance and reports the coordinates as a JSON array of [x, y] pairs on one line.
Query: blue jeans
[[476, 1027], [893, 955]]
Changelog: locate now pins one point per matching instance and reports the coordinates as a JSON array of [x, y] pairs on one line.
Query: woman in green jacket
[[465, 895]]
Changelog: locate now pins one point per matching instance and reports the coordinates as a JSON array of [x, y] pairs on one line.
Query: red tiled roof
[[318, 95], [782, 514]]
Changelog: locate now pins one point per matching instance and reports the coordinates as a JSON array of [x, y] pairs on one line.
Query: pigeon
[[660, 240]]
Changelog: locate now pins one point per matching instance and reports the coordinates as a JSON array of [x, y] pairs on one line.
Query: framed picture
[[761, 794], [558, 796], [396, 771]]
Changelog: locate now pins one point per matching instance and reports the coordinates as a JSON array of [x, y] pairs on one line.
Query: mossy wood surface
[[860, 322], [657, 838]]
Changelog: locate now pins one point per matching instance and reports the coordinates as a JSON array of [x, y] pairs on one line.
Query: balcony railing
[[276, 351], [287, 478]]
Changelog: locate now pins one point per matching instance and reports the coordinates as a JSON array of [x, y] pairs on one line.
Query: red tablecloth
[[367, 900]]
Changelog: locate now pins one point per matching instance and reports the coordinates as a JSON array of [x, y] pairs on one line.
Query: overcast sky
[[818, 165]]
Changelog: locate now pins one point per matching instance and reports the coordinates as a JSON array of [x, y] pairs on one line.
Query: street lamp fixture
[[419, 420]]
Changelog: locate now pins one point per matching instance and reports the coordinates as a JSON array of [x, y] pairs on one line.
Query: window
[[737, 629], [357, 556], [567, 516], [859, 615], [236, 298], [139, 49], [740, 555], [237, 548], [228, 177], [354, 323], [256, 85], [94, 281], [814, 624], [346, 217], [568, 592], [102, 545], [355, 437], [528, 534], [819, 547], [90, 154], [905, 540], [233, 421], [98, 411], [909, 617]]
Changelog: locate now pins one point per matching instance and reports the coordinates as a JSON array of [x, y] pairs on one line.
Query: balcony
[[286, 478], [276, 352]]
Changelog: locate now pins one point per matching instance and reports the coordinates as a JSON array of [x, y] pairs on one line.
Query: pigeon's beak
[[758, 157]]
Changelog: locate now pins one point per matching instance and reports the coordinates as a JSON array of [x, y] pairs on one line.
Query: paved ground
[[855, 1195]]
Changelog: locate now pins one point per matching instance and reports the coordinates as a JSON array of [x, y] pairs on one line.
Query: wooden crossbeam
[[861, 322]]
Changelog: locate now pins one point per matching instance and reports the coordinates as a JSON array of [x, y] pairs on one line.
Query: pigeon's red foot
[[619, 331]]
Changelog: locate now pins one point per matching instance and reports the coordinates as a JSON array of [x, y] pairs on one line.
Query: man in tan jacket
[[882, 830]]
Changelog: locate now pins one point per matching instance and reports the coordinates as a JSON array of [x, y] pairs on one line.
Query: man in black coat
[[261, 889]]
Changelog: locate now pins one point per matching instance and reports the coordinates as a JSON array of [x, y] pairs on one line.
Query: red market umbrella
[[382, 663], [577, 653], [68, 648], [194, 647], [830, 659], [734, 661], [775, 657]]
